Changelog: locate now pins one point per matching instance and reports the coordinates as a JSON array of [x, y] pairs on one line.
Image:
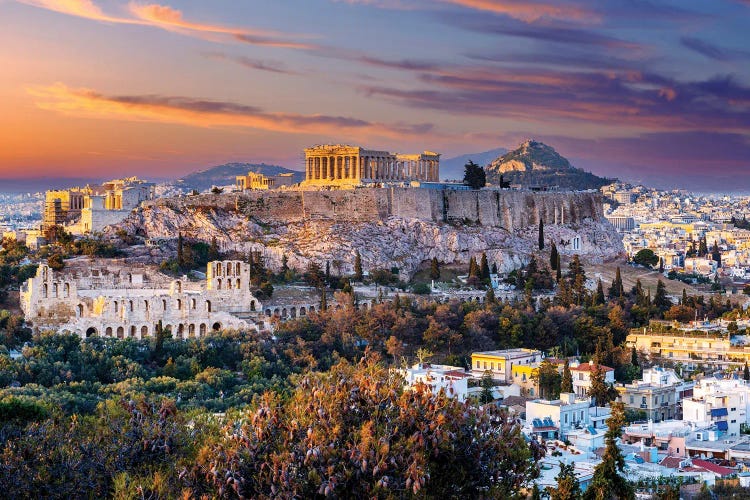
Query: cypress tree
[[328, 271], [661, 265], [684, 297], [634, 357], [484, 268], [558, 271], [553, 257], [323, 299], [599, 297], [661, 301], [703, 248], [494, 268], [180, 251], [251, 264], [567, 379], [284, 264], [357, 266], [473, 268], [541, 234], [489, 297], [434, 269], [716, 254], [607, 481], [746, 372]]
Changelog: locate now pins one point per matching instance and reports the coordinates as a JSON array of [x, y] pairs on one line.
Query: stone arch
[[144, 331], [45, 291], [181, 331], [179, 304], [178, 286], [237, 269], [191, 330], [218, 283], [276, 312], [117, 307], [131, 306], [91, 332], [79, 310], [302, 311], [268, 312], [164, 304], [216, 326], [133, 331], [202, 329], [108, 332], [219, 270], [293, 312], [283, 312], [208, 306], [229, 283], [239, 285], [55, 290], [120, 332], [66, 290], [252, 305], [193, 303]]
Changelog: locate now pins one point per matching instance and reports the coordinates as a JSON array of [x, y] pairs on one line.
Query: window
[[478, 365], [580, 376], [485, 365], [631, 400], [492, 366], [566, 418], [733, 409]]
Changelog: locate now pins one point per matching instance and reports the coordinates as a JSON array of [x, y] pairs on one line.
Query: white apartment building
[[582, 377], [451, 379]]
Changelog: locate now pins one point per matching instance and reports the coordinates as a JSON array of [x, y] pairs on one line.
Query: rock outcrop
[[400, 229]]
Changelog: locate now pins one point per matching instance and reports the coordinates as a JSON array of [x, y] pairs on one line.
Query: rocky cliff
[[390, 228]]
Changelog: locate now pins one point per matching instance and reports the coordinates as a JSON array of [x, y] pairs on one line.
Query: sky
[[656, 92]]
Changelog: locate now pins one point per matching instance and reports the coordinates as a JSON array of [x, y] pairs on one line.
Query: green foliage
[[646, 258], [421, 289], [608, 481], [474, 175]]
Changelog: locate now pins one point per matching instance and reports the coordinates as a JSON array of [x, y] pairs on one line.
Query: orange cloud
[[169, 19], [528, 11], [88, 103]]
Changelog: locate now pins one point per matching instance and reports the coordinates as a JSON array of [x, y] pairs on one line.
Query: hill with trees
[[223, 175]]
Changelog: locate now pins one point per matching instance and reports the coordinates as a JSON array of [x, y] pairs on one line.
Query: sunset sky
[[648, 91]]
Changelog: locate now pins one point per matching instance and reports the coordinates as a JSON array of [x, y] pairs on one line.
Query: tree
[[180, 251], [661, 265], [661, 301], [56, 262], [487, 384], [599, 296], [548, 379], [489, 297], [314, 274], [353, 432], [213, 250], [484, 268], [553, 257], [568, 487], [716, 253], [607, 482], [474, 175], [566, 385], [434, 269], [284, 264], [617, 288], [541, 234], [599, 391], [646, 258], [358, 266], [323, 299], [746, 372], [703, 247]]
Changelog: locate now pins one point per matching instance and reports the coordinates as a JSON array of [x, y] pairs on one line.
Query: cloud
[[712, 51], [529, 11], [257, 64], [170, 19], [635, 99], [88, 103]]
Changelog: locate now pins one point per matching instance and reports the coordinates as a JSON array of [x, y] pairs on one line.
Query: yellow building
[[690, 348], [347, 166], [501, 364], [255, 180]]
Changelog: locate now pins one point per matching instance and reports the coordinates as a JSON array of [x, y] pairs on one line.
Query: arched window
[[202, 329], [179, 304], [108, 331], [178, 286], [208, 306], [132, 331], [54, 290], [164, 305], [45, 291], [191, 331], [120, 332], [238, 285], [117, 307], [237, 269], [80, 310], [131, 306], [218, 269], [192, 304], [252, 305], [66, 290], [229, 284], [144, 331], [218, 282]]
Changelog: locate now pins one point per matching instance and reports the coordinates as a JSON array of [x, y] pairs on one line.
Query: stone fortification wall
[[487, 207]]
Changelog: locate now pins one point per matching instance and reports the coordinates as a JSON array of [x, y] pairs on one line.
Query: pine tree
[[434, 269], [284, 264], [489, 297], [541, 234], [599, 391], [634, 357], [213, 250], [484, 268], [746, 372], [473, 268], [558, 271], [616, 290], [358, 266], [567, 379], [607, 481], [568, 487], [661, 265], [328, 271], [703, 247], [716, 254], [553, 257], [684, 297]]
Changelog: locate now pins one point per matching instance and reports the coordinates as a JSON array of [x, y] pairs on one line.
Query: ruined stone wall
[[494, 208]]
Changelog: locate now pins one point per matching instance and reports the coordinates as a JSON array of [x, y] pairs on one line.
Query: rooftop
[[509, 353]]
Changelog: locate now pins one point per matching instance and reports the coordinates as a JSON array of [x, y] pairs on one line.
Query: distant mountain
[[534, 163], [223, 175], [453, 168]]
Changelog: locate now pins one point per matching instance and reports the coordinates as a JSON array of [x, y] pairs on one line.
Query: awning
[[722, 425], [719, 412]]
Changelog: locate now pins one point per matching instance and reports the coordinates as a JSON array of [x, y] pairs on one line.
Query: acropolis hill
[[390, 226]]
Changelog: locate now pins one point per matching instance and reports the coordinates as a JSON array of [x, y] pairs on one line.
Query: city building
[[125, 301], [337, 165], [552, 419], [582, 377], [452, 380], [657, 394], [254, 180], [500, 363]]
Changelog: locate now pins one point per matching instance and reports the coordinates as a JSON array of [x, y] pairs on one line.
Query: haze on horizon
[[657, 92]]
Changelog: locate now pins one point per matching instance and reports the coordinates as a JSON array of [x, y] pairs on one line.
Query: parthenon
[[342, 165]]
